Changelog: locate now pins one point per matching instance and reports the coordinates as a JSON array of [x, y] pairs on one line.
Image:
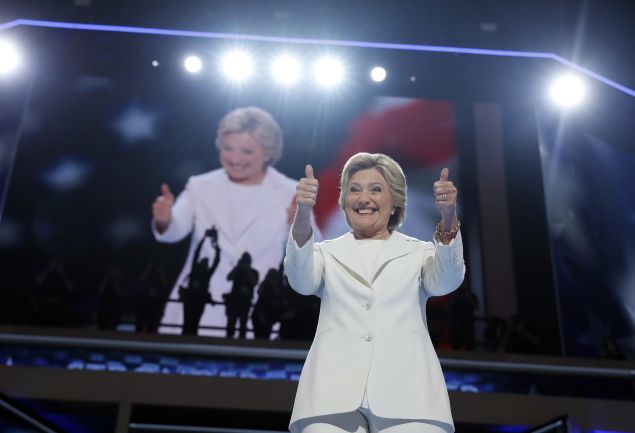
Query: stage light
[[285, 70], [329, 71], [9, 58], [378, 74], [567, 91], [193, 64], [237, 66]]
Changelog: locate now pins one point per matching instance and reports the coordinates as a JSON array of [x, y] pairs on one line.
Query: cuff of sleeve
[[291, 243], [451, 253], [169, 235], [438, 243], [158, 236]]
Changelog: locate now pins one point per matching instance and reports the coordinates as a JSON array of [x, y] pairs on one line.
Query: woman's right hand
[[306, 191], [305, 196], [162, 209]]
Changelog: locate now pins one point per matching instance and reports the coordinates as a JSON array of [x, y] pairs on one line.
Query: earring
[[393, 212]]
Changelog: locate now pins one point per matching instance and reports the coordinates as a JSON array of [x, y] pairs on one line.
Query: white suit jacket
[[372, 335], [204, 203]]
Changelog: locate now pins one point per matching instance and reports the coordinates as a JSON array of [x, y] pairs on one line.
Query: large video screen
[[99, 144]]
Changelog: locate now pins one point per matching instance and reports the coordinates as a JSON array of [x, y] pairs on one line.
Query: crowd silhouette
[[266, 310]]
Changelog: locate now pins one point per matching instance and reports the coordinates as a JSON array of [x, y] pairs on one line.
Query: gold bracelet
[[447, 233]]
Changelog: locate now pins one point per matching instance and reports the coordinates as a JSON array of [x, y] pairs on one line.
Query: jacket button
[[367, 336]]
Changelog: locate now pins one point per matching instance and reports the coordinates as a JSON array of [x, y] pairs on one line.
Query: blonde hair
[[390, 170], [259, 124]]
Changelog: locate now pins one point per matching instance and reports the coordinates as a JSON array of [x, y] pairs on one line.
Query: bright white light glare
[[567, 91], [9, 58], [286, 70], [193, 64], [329, 72], [237, 66], [378, 74]]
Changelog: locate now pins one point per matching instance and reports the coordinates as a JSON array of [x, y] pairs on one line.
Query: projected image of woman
[[372, 366], [247, 200]]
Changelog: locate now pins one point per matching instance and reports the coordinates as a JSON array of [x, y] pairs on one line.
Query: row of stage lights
[[328, 72], [237, 66], [286, 70]]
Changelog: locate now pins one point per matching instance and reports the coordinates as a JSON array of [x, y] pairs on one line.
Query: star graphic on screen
[[135, 125], [67, 174], [125, 229]]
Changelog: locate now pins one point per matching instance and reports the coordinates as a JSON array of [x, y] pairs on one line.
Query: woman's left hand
[[445, 194]]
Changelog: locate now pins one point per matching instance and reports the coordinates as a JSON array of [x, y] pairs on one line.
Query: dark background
[[596, 35]]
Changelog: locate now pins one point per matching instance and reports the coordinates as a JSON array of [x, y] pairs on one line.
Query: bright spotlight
[[237, 66], [286, 70], [567, 91], [378, 74], [329, 72], [193, 64], [9, 58]]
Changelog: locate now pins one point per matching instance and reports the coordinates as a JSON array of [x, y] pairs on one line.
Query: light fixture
[[9, 58], [378, 74], [329, 72], [285, 70], [237, 66], [193, 64], [567, 91]]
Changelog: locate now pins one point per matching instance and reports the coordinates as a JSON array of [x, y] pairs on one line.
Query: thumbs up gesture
[[445, 194], [305, 196], [306, 191], [162, 209]]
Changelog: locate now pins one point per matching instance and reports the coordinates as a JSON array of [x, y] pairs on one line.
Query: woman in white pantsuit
[[372, 366], [247, 201]]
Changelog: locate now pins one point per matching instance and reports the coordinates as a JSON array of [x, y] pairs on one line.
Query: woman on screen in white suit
[[247, 200], [372, 366]]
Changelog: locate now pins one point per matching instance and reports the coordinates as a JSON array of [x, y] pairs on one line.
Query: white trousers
[[364, 421]]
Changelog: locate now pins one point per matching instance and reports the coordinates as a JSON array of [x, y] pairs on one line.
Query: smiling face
[[368, 205], [242, 157]]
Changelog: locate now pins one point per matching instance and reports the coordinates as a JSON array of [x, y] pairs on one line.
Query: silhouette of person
[[149, 302], [109, 309], [495, 330], [299, 316], [519, 339], [196, 294], [464, 304], [269, 305], [611, 349], [437, 319], [238, 300], [55, 292]]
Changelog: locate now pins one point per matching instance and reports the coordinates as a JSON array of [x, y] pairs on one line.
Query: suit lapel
[[397, 246], [344, 251]]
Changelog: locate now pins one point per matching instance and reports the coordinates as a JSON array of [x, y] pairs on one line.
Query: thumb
[[445, 173], [165, 191], [308, 171]]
